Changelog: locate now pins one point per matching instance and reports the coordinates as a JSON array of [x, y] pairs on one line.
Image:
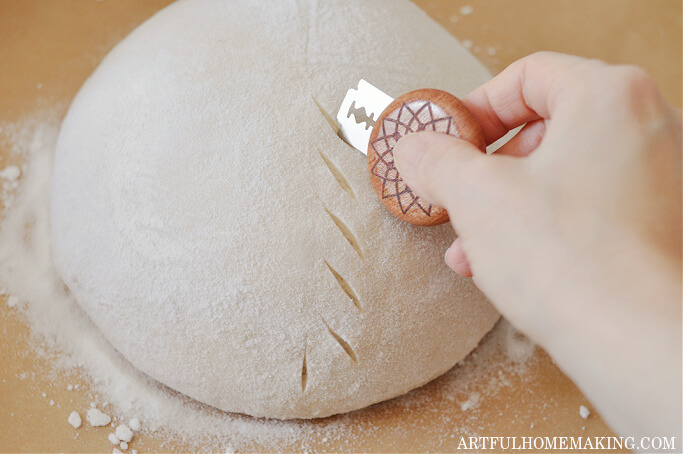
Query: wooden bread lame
[[373, 123]]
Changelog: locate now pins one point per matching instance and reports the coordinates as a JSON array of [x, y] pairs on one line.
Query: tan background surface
[[48, 48]]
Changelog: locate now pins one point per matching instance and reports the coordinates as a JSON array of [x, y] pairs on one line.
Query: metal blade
[[358, 112]]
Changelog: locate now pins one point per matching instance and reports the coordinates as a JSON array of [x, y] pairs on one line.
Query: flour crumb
[[466, 10], [70, 388], [471, 402], [229, 450], [113, 439], [124, 433], [467, 44], [123, 445], [74, 419], [517, 346], [584, 411], [116, 451], [96, 418], [10, 173], [43, 394], [13, 301], [531, 426], [52, 402], [134, 451], [134, 424]]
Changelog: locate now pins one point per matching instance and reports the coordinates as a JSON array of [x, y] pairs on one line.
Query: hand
[[573, 228]]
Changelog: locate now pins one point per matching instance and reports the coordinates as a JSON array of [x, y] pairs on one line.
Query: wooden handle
[[420, 110]]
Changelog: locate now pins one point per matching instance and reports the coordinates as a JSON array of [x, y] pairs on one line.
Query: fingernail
[[476, 282], [407, 154], [448, 251]]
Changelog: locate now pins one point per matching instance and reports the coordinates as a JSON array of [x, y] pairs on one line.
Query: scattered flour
[[123, 445], [113, 439], [63, 332], [466, 10], [517, 346], [471, 402], [97, 419], [584, 411], [134, 424], [74, 419], [124, 433]]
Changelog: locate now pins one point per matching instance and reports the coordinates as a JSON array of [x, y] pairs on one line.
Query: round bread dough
[[221, 235]]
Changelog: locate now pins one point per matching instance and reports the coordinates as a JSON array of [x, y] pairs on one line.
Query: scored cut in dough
[[221, 235]]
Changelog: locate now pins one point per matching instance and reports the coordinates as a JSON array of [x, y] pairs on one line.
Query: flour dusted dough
[[226, 241]]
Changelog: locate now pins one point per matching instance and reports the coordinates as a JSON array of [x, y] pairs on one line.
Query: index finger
[[524, 91]]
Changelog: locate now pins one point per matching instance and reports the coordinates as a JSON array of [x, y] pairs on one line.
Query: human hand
[[573, 228]]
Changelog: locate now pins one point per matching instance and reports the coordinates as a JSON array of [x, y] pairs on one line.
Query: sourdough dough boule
[[222, 236]]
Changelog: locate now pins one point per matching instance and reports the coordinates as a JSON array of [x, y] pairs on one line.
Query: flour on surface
[[74, 419], [466, 10], [113, 440], [123, 433], [97, 418], [584, 412], [471, 402], [134, 424]]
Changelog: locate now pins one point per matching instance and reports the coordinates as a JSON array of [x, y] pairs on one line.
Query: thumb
[[435, 166]]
